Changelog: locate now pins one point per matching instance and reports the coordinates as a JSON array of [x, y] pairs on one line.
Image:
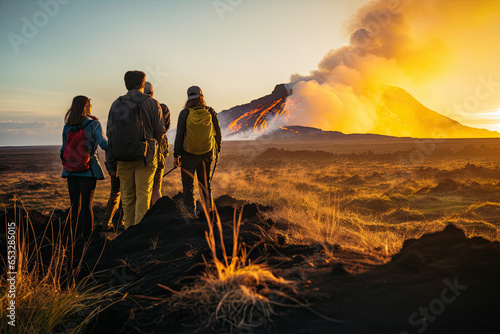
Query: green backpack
[[200, 132]]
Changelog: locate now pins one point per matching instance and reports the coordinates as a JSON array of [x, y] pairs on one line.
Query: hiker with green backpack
[[196, 148]]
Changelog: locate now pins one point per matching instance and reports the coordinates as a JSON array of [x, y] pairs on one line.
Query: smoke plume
[[434, 49]]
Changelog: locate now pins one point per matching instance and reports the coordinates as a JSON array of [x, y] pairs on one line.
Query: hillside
[[398, 114]]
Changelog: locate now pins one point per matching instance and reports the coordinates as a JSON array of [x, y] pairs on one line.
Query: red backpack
[[76, 157]]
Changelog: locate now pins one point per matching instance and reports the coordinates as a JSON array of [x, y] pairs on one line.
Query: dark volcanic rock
[[168, 245], [355, 180], [370, 204], [471, 170], [169, 248], [378, 301], [445, 277], [449, 279], [273, 153], [303, 132], [446, 185]]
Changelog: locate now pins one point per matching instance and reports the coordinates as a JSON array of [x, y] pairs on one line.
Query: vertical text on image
[[11, 273]]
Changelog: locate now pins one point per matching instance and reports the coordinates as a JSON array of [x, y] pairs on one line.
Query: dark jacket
[[181, 131], [93, 130], [151, 116], [166, 115], [164, 147]]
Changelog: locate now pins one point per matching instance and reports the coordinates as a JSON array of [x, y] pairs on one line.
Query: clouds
[[21, 133], [36, 116]]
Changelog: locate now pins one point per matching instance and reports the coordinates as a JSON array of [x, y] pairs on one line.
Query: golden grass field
[[366, 194]]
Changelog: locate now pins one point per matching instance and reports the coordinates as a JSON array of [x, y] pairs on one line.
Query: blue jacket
[[94, 138]]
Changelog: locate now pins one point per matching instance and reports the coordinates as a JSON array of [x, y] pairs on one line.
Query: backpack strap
[[87, 123], [143, 128], [94, 147]]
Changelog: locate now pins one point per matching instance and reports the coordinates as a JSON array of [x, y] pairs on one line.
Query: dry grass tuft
[[488, 210], [49, 298], [233, 294]]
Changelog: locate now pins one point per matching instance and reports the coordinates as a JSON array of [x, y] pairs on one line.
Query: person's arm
[[110, 163], [99, 137], [181, 130], [64, 135], [159, 126], [109, 123], [218, 134], [166, 116]]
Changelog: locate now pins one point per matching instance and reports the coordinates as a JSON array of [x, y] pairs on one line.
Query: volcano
[[398, 114], [258, 114]]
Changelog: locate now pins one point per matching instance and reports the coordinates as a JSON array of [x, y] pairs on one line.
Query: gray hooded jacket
[[151, 117]]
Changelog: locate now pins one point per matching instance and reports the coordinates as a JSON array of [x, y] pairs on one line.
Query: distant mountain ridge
[[398, 114], [416, 120]]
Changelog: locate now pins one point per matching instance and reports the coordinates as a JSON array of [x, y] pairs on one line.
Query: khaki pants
[[136, 185]]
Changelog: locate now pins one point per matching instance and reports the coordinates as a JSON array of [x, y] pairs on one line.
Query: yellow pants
[[136, 186]]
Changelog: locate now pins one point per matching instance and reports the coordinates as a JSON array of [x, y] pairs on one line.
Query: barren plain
[[360, 225]]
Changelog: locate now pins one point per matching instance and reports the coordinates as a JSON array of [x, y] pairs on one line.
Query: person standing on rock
[[163, 148], [114, 201], [197, 145], [135, 127], [82, 134]]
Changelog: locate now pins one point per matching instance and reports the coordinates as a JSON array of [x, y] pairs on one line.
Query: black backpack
[[125, 131]]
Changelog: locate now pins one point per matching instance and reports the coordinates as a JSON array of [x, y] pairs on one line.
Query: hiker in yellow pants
[[136, 181]]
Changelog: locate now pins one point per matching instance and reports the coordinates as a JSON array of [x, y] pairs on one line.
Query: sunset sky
[[235, 50]]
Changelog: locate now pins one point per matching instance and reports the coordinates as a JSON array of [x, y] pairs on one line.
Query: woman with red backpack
[[82, 134]]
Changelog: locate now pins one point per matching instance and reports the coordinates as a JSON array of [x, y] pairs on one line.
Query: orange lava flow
[[260, 119]]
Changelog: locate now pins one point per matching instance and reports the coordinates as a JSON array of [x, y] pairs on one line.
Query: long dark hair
[[76, 113], [198, 102]]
